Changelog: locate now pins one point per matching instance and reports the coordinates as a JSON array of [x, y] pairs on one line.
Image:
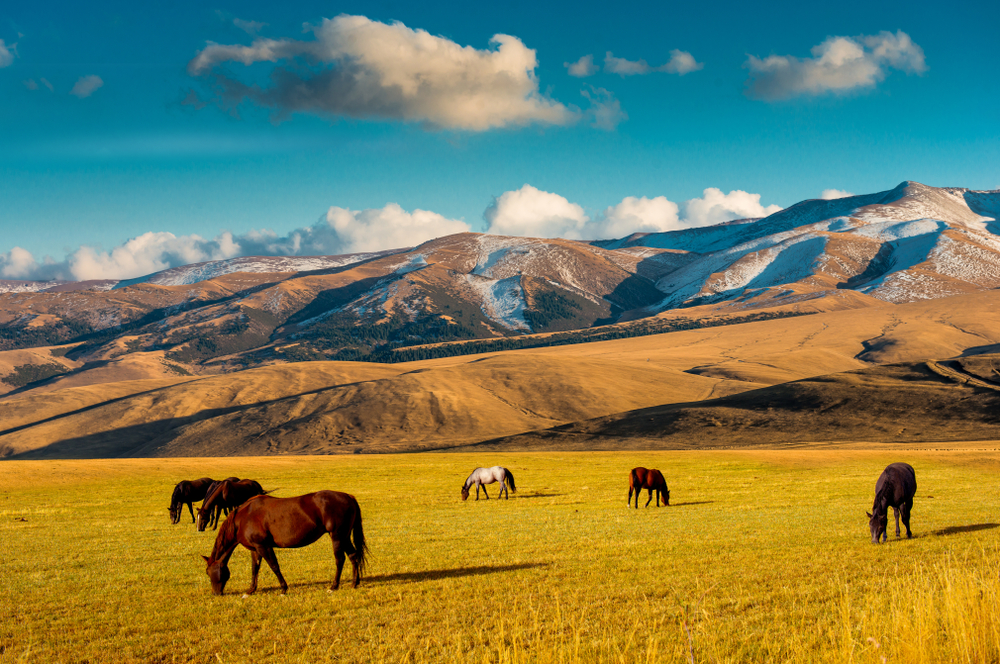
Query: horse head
[[218, 574], [465, 492], [202, 520], [877, 524], [175, 513]]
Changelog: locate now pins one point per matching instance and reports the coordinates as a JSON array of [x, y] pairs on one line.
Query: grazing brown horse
[[895, 488], [213, 519], [263, 523], [188, 492], [652, 479], [227, 494]]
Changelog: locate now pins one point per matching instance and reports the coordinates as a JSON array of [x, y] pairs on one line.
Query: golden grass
[[764, 556]]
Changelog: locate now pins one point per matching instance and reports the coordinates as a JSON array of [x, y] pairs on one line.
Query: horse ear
[[868, 515], [207, 559]]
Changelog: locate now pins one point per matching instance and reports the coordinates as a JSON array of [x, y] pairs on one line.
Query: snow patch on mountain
[[502, 300]]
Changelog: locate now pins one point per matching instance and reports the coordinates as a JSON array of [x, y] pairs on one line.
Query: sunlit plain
[[763, 555]]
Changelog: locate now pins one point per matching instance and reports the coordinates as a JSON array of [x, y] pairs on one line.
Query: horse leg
[[272, 561], [339, 556], [254, 570], [484, 492], [905, 508], [477, 492], [648, 499], [895, 513], [628, 503], [190, 509]]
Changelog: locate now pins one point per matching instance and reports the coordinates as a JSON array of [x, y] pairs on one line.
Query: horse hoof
[[245, 595]]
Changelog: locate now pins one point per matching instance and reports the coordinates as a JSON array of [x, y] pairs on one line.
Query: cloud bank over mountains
[[838, 65], [527, 211]]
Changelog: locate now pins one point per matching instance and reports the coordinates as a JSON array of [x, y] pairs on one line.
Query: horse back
[[654, 480], [297, 521], [899, 481]]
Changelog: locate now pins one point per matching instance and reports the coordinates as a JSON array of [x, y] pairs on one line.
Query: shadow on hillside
[[413, 577], [954, 530], [138, 440]]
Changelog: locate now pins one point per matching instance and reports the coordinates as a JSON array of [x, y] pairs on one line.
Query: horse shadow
[[539, 495], [414, 577], [954, 530], [693, 502]]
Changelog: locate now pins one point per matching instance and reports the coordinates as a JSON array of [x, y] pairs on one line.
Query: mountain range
[[473, 293]]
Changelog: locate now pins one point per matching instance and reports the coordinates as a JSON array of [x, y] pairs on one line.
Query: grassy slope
[[764, 556]]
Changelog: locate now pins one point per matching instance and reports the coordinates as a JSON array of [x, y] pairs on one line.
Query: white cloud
[[361, 68], [17, 263], [6, 54], [339, 231], [249, 27], [86, 86], [838, 65], [637, 215], [30, 84], [535, 213], [681, 62], [605, 110], [46, 84], [531, 212], [582, 68], [714, 207], [830, 194]]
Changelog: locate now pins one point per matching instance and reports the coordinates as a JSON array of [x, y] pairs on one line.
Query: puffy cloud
[[681, 62], [17, 263], [339, 231], [714, 207], [830, 194], [532, 212], [249, 27], [838, 65], [86, 86], [637, 215], [30, 84], [361, 68], [6, 54], [582, 68]]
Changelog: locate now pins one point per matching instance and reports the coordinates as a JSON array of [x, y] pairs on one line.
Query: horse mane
[[226, 539]]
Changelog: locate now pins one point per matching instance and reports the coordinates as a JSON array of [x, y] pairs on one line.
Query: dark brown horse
[[647, 478], [895, 488], [218, 510], [264, 523], [227, 495], [188, 492]]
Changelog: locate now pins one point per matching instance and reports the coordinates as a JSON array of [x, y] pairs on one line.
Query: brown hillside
[[345, 406]]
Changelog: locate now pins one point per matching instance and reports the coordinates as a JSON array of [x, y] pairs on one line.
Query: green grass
[[764, 556]]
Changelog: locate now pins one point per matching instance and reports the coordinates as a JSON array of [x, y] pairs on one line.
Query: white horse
[[484, 476]]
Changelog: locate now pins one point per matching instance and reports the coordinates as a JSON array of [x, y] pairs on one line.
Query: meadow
[[763, 556]]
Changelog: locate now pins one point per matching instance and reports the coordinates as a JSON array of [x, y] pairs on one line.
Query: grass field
[[764, 556]]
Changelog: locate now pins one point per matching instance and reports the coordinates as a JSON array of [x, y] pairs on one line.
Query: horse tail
[[510, 480], [360, 545]]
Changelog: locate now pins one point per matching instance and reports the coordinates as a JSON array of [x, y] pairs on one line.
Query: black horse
[[185, 493], [219, 509], [895, 488]]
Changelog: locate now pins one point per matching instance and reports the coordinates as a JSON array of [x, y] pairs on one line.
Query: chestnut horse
[[227, 495], [263, 523], [895, 488], [188, 492], [219, 510], [652, 479]]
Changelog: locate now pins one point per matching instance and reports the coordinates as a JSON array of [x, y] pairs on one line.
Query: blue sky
[[98, 148]]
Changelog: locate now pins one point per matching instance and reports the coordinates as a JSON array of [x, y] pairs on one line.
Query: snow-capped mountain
[[912, 242]]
